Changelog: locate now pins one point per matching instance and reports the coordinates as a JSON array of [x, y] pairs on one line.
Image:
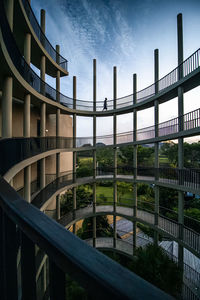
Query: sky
[[121, 33]]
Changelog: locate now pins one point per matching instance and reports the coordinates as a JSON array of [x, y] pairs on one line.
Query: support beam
[[134, 162], [42, 134], [94, 151], [7, 107], [9, 6], [115, 153], [74, 153], [156, 145], [180, 43], [58, 161], [27, 115], [27, 184], [58, 74], [43, 20], [180, 140], [27, 48]]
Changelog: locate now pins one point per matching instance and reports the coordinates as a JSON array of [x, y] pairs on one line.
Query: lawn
[[108, 193]]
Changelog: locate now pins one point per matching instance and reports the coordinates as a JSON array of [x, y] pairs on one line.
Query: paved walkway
[[190, 238]]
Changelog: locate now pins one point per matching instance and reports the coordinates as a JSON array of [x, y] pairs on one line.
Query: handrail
[[189, 65], [27, 147], [59, 59], [67, 254]]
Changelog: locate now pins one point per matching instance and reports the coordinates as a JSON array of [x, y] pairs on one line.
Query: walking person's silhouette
[[105, 104]]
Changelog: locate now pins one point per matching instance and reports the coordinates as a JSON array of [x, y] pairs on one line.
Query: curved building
[[38, 162]]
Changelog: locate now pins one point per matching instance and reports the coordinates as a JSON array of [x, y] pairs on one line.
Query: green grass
[[108, 193]]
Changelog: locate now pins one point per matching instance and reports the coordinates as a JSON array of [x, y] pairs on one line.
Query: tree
[[145, 156], [103, 229], [153, 264], [83, 197], [123, 188]]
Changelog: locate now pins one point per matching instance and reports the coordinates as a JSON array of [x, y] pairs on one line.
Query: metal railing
[[188, 66], [66, 255], [59, 59]]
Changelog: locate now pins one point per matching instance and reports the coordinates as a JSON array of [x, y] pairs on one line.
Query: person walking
[[105, 104]]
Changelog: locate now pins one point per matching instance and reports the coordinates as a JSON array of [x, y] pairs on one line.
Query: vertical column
[[94, 151], [134, 162], [74, 152], [27, 116], [43, 58], [58, 74], [156, 145], [57, 160], [43, 20], [180, 140], [42, 134], [7, 107], [43, 106], [58, 128], [115, 154], [9, 6], [7, 84]]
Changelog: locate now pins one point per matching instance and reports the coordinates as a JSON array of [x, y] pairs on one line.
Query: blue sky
[[122, 33]]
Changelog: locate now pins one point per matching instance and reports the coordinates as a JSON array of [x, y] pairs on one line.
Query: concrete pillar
[[42, 134], [58, 74], [43, 20], [180, 140], [156, 145], [7, 107], [27, 170], [58, 160], [27, 184], [180, 43], [27, 115], [9, 6], [134, 162], [94, 151], [27, 48], [42, 74], [115, 153], [74, 152]]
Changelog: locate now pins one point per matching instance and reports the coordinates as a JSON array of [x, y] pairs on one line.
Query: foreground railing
[[66, 253], [187, 67], [42, 37]]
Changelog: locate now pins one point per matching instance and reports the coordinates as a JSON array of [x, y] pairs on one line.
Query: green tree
[[84, 196], [145, 156], [103, 229], [153, 264], [123, 188]]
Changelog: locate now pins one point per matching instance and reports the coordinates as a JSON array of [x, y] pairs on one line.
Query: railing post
[[28, 268], [9, 250], [115, 154], [57, 282], [134, 162], [94, 151], [74, 152]]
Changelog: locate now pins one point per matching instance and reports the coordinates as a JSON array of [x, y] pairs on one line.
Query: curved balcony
[[167, 86], [28, 147], [40, 43], [191, 238]]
